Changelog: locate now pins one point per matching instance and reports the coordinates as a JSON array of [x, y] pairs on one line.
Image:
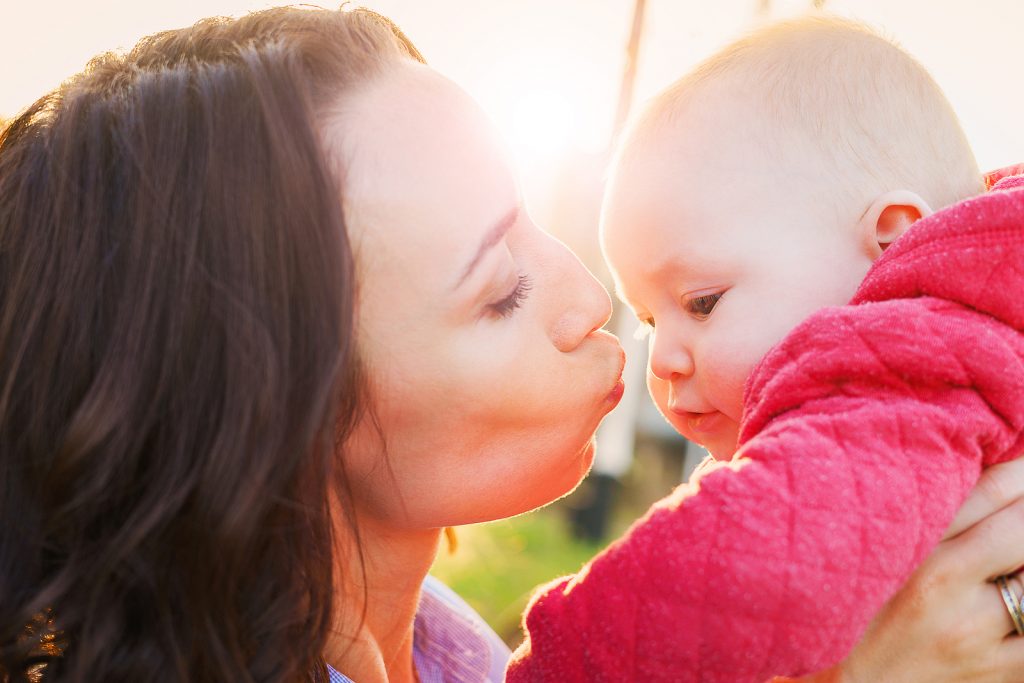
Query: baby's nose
[[669, 357]]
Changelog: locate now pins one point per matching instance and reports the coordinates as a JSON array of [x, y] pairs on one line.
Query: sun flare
[[541, 123], [547, 107]]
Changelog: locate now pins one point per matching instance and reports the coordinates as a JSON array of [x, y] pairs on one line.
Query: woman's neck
[[379, 646]]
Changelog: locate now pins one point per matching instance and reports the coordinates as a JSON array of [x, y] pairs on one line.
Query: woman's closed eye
[[700, 307], [506, 306]]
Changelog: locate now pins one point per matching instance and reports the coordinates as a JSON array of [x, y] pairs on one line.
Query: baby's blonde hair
[[869, 111]]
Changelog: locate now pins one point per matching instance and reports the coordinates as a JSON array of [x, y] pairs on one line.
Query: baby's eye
[[700, 307], [644, 329]]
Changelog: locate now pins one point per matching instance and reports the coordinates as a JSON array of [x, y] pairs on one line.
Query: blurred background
[[558, 77]]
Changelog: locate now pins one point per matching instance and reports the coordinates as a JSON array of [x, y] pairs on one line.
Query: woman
[[272, 314]]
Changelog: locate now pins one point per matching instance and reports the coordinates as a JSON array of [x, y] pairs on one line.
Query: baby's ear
[[889, 216]]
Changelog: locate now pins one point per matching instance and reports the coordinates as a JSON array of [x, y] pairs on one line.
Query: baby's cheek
[[723, 382]]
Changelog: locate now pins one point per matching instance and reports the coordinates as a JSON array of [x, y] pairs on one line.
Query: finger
[[982, 612], [990, 548], [1009, 658], [998, 486]]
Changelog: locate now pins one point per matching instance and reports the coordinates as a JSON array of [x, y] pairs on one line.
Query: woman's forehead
[[425, 176]]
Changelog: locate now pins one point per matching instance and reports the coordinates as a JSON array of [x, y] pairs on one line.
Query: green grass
[[497, 565]]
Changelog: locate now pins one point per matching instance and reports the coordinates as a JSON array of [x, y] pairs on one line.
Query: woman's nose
[[669, 357], [583, 303]]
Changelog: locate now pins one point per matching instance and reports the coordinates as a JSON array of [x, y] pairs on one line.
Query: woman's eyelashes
[[700, 307], [505, 307]]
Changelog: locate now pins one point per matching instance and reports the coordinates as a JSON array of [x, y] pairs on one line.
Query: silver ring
[[1014, 580], [1012, 602]]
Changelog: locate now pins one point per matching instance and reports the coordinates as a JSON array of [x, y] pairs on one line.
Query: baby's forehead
[[690, 198], [698, 166], [727, 124], [823, 94]]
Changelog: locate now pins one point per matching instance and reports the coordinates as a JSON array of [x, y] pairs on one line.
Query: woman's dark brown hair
[[177, 357]]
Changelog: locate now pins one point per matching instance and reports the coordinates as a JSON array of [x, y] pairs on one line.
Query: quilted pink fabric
[[865, 428]]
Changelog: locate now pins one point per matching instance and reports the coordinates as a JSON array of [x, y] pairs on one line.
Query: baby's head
[[759, 188]]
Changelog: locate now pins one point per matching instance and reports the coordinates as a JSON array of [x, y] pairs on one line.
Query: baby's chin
[[722, 449], [721, 456], [719, 439]]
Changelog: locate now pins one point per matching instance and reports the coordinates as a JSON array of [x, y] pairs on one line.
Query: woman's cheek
[[504, 368], [480, 388]]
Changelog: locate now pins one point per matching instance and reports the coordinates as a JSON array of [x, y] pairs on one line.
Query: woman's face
[[480, 333]]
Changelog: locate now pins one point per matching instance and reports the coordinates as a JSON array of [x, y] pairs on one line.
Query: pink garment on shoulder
[[864, 431], [1013, 175]]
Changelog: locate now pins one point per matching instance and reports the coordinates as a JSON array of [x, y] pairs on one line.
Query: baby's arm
[[856, 462]]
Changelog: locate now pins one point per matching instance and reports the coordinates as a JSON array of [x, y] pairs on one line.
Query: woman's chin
[[562, 482], [585, 461], [556, 484]]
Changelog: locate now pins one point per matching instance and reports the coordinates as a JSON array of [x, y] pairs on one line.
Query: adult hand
[[949, 622]]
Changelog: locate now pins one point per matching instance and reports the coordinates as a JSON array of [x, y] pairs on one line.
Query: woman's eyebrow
[[493, 236]]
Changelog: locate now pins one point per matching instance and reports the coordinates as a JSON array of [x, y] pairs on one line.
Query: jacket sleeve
[[864, 431]]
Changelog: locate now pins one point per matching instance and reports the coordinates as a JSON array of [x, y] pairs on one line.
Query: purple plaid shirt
[[450, 643]]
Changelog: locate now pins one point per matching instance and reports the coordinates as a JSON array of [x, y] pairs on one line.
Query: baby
[[748, 204], [779, 170]]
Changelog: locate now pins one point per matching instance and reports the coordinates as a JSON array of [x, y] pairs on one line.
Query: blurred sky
[[548, 71]]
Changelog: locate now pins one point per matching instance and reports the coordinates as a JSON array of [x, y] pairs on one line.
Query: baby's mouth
[[705, 423]]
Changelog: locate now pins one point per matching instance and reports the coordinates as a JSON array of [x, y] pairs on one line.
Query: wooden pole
[[629, 73]]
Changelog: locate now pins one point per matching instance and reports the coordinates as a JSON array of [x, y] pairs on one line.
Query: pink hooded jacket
[[864, 431]]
